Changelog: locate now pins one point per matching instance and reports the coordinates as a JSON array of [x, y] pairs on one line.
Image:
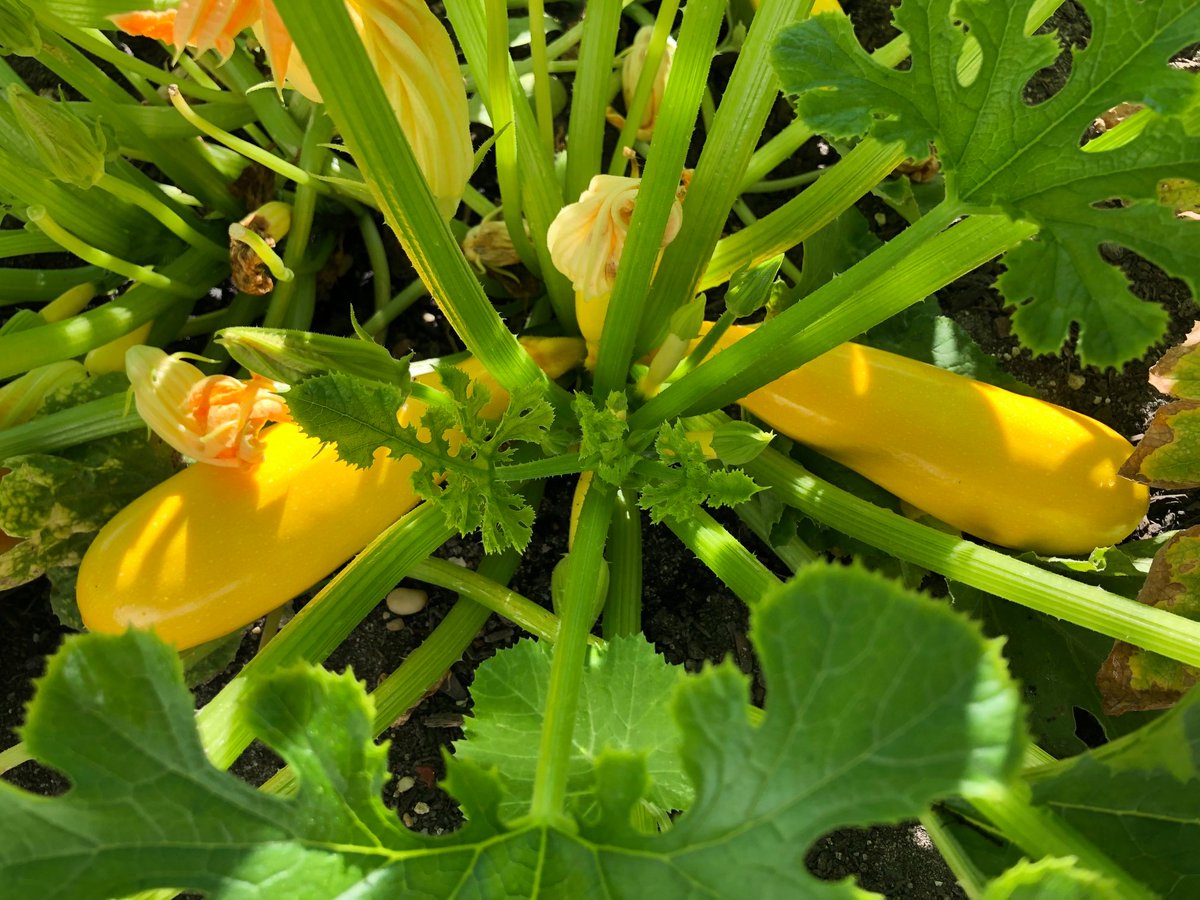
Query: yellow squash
[[212, 549], [1010, 469]]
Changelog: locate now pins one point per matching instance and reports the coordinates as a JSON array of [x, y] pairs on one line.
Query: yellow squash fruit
[[213, 548], [1010, 469]]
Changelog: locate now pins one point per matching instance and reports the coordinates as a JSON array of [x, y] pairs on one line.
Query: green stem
[[97, 257], [241, 74], [746, 102], [566, 667], [805, 214], [541, 85], [409, 295], [566, 464], [170, 219], [501, 110], [323, 623], [44, 285], [623, 611], [906, 269], [969, 877], [251, 151], [655, 50], [381, 273], [70, 427], [724, 554], [585, 131], [497, 598], [628, 305], [989, 570], [778, 185], [75, 336], [313, 154], [1040, 833]]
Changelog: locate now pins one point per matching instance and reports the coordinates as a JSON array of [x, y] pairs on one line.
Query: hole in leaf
[[1088, 728], [1073, 28]]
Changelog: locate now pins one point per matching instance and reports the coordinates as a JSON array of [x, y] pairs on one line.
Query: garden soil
[[690, 616]]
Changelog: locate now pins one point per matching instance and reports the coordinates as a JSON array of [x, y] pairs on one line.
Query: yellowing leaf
[[1136, 679]]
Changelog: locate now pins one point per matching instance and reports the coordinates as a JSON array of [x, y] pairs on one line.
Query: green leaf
[[1051, 878], [1139, 799], [693, 482], [1001, 154], [139, 774], [602, 443], [935, 713], [624, 705], [1058, 661], [921, 333], [457, 445]]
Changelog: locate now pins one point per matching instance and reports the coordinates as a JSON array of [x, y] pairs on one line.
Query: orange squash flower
[[214, 419]]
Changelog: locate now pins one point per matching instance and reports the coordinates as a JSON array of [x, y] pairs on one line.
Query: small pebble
[[407, 820], [430, 318], [421, 807], [395, 625], [1075, 381], [880, 219], [407, 601], [458, 561], [405, 784]]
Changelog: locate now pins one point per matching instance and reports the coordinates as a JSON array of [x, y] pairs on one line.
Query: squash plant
[[591, 767]]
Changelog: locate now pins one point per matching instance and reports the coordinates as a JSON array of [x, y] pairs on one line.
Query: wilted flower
[[201, 24], [631, 72], [488, 246], [213, 419], [587, 237]]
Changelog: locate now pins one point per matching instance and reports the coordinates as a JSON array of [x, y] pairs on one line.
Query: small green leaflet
[[934, 713], [1001, 155], [692, 482], [1139, 799], [458, 458], [624, 706], [603, 431]]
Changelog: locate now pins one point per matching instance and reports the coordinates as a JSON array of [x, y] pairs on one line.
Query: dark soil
[[690, 616]]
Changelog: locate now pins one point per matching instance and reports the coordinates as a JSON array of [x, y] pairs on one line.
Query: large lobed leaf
[[1001, 154], [1139, 799], [879, 702]]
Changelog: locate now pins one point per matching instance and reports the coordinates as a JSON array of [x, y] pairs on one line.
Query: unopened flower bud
[[631, 73], [19, 33], [418, 67], [737, 443], [71, 149]]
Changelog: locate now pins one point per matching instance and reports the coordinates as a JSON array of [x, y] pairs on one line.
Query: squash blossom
[[410, 49], [586, 240], [631, 71], [214, 419]]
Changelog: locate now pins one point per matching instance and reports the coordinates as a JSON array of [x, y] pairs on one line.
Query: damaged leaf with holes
[[964, 94]]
